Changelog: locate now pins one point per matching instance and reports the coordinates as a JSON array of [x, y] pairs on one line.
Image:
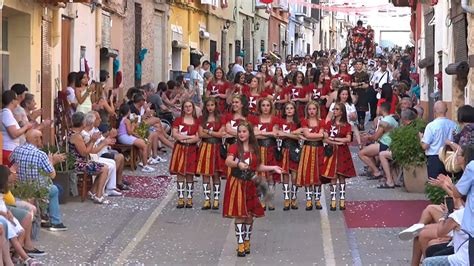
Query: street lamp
[[226, 25], [256, 26]]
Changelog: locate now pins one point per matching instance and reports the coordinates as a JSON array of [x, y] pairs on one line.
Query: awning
[[179, 44], [426, 62]]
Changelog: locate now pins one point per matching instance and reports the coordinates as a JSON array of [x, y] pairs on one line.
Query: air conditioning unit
[[204, 34]]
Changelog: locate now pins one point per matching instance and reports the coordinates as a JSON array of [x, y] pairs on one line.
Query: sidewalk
[[153, 231]]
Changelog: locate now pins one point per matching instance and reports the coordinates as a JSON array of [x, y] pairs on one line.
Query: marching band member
[[210, 164], [338, 164], [311, 161], [240, 198], [183, 159]]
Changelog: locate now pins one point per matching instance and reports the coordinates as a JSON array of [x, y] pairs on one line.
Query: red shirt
[[248, 157], [321, 124], [186, 129]]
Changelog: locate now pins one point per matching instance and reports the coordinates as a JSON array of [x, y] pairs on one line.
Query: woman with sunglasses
[[265, 127], [289, 132], [240, 198], [310, 165], [210, 164], [338, 164], [184, 156]]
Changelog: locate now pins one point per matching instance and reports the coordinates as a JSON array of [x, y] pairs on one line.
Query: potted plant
[[65, 172], [408, 154]]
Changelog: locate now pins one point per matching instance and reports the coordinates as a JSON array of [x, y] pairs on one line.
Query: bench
[[132, 151]]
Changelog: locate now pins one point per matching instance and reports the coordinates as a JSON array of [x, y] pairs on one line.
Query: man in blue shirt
[[432, 140], [35, 165]]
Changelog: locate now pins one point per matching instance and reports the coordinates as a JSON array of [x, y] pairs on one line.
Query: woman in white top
[[14, 229], [451, 225], [11, 130], [100, 144], [344, 96], [83, 91]]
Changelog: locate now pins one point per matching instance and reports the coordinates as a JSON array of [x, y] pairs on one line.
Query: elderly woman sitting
[[81, 151], [101, 146]]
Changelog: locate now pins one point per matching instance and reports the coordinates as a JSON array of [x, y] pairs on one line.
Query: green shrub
[[405, 146]]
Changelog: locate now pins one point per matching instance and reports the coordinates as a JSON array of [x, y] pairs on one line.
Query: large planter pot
[[415, 178], [63, 179]]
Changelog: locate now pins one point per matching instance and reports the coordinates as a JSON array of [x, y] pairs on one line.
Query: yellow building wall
[[189, 18], [30, 53]]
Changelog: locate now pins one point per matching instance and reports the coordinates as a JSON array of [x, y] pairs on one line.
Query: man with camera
[[379, 78]]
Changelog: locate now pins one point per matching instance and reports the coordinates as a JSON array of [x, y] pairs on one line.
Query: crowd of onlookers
[[96, 117]]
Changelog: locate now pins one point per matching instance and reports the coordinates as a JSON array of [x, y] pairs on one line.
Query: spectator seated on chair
[[33, 165], [24, 212], [101, 146], [81, 150], [407, 117], [15, 231], [382, 137], [127, 136], [141, 109]]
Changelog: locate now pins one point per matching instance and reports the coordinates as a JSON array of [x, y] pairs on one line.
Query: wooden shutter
[[459, 24], [46, 69], [138, 38]]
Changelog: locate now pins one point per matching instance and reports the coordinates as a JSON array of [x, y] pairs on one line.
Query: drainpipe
[[466, 7]]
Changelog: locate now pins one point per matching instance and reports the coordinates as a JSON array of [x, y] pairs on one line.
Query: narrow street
[[153, 231]]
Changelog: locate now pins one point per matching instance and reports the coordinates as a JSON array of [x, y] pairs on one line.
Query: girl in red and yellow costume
[[184, 157], [218, 88], [339, 165], [265, 127], [318, 92], [210, 164], [312, 154], [289, 132], [240, 198], [298, 93], [256, 93], [280, 95]]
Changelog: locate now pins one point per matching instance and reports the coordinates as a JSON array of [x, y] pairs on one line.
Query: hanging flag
[[266, 1]]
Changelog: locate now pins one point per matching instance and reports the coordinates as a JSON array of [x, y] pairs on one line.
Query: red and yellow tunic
[[316, 94], [240, 196], [183, 159], [312, 158], [267, 145], [218, 88], [287, 164], [209, 159], [340, 163], [295, 94]]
